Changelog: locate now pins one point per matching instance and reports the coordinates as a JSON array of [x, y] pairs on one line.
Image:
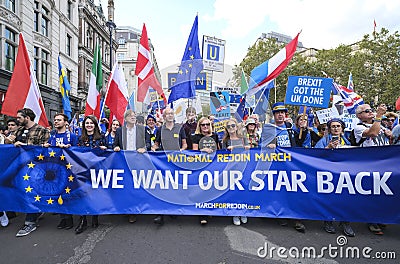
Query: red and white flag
[[117, 93], [23, 90], [145, 71]]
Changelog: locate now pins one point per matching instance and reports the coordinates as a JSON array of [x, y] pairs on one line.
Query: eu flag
[[190, 67], [262, 98], [65, 89], [241, 112]]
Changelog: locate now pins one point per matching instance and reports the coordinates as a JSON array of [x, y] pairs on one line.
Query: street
[[183, 240]]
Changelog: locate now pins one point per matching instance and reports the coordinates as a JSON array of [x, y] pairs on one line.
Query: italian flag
[[95, 84]]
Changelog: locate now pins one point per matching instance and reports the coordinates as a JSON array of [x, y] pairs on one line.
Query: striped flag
[[95, 84], [65, 89], [117, 93], [350, 99], [145, 71], [270, 69], [23, 90]]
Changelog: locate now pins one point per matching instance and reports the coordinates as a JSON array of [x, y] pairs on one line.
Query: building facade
[[52, 28]]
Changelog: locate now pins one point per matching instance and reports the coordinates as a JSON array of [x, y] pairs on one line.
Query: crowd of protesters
[[137, 133]]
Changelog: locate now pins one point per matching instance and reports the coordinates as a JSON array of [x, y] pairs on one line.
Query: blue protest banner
[[357, 184], [309, 91]]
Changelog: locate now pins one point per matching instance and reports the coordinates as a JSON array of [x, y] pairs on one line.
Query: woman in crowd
[[93, 138], [209, 144], [110, 135], [205, 140], [233, 138], [335, 139], [308, 137], [252, 136], [151, 130]]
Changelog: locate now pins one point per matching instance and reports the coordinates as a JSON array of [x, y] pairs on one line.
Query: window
[[36, 62], [88, 73], [69, 10], [45, 67], [121, 56], [45, 21], [68, 73], [41, 19], [121, 42], [10, 47], [10, 5], [89, 39], [69, 43], [41, 65]]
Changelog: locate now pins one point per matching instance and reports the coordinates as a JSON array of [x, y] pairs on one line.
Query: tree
[[373, 61]]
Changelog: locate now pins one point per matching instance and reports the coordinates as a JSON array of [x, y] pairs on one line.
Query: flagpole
[[108, 88]]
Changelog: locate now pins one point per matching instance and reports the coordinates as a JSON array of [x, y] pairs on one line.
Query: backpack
[[353, 140]]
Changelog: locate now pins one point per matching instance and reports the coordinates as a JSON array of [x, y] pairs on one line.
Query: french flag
[[270, 69], [23, 90]]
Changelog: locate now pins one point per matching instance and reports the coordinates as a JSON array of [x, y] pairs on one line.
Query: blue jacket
[[323, 142]]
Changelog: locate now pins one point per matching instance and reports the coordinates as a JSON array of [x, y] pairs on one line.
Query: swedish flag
[[65, 89]]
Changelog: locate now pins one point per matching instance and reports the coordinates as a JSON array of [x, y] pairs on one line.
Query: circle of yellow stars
[[31, 165]]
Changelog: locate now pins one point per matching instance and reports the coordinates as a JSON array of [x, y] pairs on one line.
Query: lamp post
[[111, 25]]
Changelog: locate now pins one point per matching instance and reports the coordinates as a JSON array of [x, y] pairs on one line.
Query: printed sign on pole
[[214, 56], [309, 91]]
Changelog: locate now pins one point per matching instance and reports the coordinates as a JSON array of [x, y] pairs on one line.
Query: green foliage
[[373, 61]]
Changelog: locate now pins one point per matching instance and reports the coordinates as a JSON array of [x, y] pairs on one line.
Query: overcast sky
[[324, 24]]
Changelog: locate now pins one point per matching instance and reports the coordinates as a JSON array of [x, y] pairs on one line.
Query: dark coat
[[142, 140]]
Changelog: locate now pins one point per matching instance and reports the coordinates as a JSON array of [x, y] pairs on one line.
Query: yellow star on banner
[[50, 201], [26, 177], [190, 48], [67, 190], [69, 166], [190, 65], [40, 157], [71, 178], [28, 189], [180, 71], [31, 165], [52, 154], [62, 157], [37, 198], [191, 57]]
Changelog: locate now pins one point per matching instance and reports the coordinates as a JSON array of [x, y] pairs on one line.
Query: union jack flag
[[350, 99]]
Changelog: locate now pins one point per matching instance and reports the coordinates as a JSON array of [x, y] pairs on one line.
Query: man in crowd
[[12, 128], [131, 136], [63, 138], [29, 133], [285, 137], [151, 130], [190, 126], [370, 133], [170, 136]]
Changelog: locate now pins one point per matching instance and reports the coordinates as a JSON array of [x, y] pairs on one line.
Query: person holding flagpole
[[29, 133]]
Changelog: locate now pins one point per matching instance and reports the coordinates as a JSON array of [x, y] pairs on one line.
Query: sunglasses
[[230, 126], [391, 119], [367, 111], [206, 124]]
